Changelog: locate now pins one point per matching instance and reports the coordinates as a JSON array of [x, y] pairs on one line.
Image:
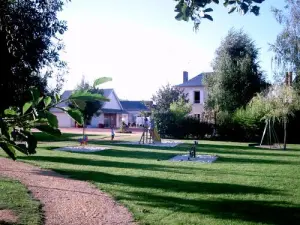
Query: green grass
[[244, 186], [14, 196]]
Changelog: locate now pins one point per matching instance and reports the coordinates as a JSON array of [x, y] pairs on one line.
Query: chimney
[[289, 78], [185, 76]]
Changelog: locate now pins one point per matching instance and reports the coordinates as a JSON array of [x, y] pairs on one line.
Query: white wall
[[197, 108], [113, 103], [64, 120], [96, 120]]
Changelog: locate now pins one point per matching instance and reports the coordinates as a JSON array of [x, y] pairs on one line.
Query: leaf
[[87, 96], [10, 112], [49, 130], [26, 106], [57, 98], [208, 10], [40, 99], [35, 93], [101, 80], [76, 115], [216, 1], [22, 148], [9, 149], [47, 101], [232, 9], [208, 17], [5, 130], [52, 119], [31, 141]]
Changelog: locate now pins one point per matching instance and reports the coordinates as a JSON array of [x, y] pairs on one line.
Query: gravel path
[[66, 201]]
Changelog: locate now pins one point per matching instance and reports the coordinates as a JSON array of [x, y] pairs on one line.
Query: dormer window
[[196, 97]]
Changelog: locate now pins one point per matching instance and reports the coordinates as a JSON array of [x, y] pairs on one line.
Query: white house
[[134, 109], [112, 112], [196, 91]]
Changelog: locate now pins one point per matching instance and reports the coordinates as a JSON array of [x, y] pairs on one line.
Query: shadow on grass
[[43, 137], [232, 160], [111, 164], [156, 155], [247, 150], [269, 212], [165, 184]]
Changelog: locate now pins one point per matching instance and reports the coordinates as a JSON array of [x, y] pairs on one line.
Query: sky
[[140, 45]]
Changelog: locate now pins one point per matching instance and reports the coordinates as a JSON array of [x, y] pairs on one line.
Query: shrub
[[170, 126]]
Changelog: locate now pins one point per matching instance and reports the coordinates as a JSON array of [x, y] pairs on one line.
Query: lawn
[[244, 186], [14, 196]]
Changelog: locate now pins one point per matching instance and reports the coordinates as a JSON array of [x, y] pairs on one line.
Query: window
[[197, 97]]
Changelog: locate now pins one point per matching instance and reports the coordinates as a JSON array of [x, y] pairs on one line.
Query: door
[[110, 120]]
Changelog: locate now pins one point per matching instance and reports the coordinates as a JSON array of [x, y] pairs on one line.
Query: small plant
[[16, 123]]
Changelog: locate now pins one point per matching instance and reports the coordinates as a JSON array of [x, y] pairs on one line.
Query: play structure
[[83, 141], [269, 136], [150, 134]]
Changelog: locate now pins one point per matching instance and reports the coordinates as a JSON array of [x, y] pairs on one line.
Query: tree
[[287, 45], [16, 122], [196, 10], [237, 76], [89, 108], [29, 48], [166, 95], [277, 103], [180, 108]]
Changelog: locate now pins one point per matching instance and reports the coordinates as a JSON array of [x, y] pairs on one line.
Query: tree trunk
[[83, 129], [284, 137]]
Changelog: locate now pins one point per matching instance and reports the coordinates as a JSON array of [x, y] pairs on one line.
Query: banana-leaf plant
[[16, 123]]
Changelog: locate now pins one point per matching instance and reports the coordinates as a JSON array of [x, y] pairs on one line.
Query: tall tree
[[287, 44], [196, 10], [166, 95], [237, 76], [29, 47]]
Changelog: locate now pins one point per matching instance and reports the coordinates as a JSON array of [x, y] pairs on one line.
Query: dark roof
[[195, 81], [117, 111], [134, 106]]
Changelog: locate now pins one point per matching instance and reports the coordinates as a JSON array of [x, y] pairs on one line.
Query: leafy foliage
[[196, 10], [237, 76], [277, 103], [180, 108], [286, 47], [29, 48], [16, 122], [166, 95], [171, 126]]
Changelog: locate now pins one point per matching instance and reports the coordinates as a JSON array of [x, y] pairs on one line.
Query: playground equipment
[[150, 134], [270, 134], [84, 140]]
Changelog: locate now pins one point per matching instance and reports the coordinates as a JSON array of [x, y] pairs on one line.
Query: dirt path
[[66, 201]]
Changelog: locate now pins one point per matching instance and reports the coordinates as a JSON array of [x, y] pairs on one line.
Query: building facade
[[196, 92]]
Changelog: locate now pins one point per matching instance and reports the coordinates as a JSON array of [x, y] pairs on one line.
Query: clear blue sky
[[142, 47]]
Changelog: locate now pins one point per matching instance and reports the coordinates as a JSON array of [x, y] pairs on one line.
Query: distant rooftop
[[195, 81], [134, 106], [66, 94]]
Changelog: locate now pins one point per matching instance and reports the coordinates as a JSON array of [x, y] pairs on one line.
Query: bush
[[240, 126], [170, 126]]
